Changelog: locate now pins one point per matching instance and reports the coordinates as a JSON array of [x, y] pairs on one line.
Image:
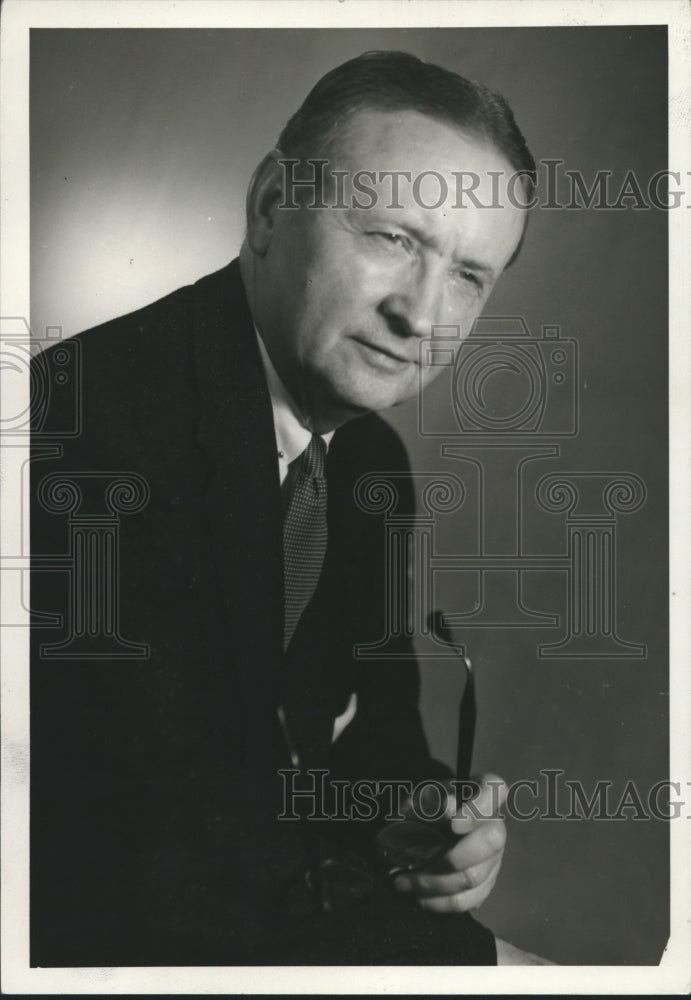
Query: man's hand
[[464, 877]]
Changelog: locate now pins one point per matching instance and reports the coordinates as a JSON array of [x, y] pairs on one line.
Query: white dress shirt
[[292, 437], [292, 433]]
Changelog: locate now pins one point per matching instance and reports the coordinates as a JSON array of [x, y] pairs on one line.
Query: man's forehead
[[408, 168], [376, 139]]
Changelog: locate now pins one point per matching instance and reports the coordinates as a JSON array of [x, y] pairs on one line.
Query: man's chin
[[351, 408], [362, 397], [341, 399]]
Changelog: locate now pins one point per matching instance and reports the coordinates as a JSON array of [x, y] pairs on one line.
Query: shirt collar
[[292, 434]]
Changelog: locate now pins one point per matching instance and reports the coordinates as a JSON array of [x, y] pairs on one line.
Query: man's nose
[[413, 308]]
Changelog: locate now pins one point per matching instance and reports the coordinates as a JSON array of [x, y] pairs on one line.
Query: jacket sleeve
[[386, 737]]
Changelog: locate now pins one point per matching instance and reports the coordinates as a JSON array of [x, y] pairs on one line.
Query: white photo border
[[672, 976]]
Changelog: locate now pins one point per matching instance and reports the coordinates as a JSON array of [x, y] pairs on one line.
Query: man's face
[[346, 294]]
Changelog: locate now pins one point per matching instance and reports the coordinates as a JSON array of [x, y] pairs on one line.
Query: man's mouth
[[383, 356]]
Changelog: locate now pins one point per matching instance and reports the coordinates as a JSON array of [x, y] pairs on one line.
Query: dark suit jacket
[[154, 781]]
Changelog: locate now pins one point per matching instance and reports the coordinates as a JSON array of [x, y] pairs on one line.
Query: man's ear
[[264, 194]]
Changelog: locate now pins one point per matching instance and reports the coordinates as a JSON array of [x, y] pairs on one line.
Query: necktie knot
[[312, 458]]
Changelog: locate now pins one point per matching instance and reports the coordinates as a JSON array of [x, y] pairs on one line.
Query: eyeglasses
[[338, 881], [410, 844]]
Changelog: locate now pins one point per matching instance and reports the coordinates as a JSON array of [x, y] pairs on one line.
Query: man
[[243, 403]]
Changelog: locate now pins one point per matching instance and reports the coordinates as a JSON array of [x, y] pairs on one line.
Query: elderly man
[[160, 833]]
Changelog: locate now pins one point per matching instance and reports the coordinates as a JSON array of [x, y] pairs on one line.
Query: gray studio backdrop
[[142, 145]]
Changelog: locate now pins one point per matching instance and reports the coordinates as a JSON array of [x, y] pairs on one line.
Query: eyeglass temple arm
[[467, 713]]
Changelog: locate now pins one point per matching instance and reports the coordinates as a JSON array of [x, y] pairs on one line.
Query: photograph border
[[19, 16]]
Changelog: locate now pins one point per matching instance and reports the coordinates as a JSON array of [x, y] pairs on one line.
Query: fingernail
[[402, 884]]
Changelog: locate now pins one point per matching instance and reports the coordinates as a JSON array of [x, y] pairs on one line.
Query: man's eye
[[393, 239], [471, 278]]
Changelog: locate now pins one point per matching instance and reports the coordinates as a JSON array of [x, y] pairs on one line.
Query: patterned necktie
[[304, 534]]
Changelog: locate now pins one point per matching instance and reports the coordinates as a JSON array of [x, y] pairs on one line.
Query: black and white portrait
[[336, 574]]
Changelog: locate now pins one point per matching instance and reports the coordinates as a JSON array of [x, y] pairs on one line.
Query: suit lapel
[[242, 496]]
